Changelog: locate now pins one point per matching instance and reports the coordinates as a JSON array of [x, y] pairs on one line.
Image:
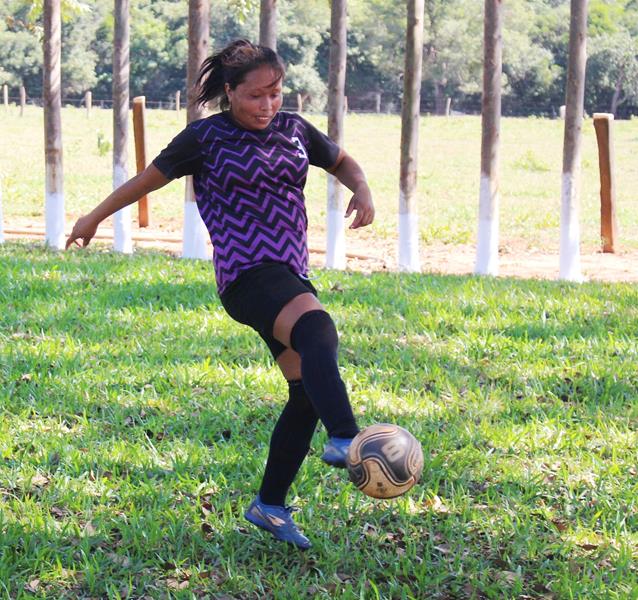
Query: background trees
[[534, 51]]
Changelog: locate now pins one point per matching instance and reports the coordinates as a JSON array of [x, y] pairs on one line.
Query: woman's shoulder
[[291, 123], [286, 117], [216, 125]]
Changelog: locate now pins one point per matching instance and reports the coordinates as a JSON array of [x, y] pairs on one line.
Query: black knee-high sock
[[314, 336], [289, 445]]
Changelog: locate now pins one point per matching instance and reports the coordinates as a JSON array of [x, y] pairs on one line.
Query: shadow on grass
[[188, 431]]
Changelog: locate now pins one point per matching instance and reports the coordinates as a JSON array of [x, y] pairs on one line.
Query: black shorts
[[257, 296]]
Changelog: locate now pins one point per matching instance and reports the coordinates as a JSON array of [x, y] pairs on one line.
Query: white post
[[194, 235], [122, 229], [569, 263], [408, 217], [335, 222], [336, 226], [488, 224], [54, 195]]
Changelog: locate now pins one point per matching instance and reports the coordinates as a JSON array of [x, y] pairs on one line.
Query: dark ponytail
[[231, 65]]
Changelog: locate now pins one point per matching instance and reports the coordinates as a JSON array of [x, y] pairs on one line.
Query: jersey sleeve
[[322, 151], [181, 157]]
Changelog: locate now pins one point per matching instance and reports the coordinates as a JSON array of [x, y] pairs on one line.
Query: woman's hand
[[84, 229], [361, 202], [149, 180], [348, 172]]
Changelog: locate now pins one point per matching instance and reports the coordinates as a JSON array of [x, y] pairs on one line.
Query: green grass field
[[135, 419], [449, 170]]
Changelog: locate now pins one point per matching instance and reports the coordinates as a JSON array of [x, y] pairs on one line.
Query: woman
[[249, 165]]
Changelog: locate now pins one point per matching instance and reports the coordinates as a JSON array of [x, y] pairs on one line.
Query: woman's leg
[[292, 435], [304, 326]]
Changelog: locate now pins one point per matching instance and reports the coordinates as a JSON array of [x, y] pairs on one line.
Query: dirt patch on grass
[[369, 253]]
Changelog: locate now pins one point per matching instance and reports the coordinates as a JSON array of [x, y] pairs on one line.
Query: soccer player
[[249, 164]]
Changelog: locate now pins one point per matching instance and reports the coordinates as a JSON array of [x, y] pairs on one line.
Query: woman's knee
[[314, 329]]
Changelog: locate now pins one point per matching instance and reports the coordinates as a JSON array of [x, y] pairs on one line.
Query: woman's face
[[255, 101]]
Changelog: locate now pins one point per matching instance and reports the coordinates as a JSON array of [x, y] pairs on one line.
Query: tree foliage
[[535, 47]]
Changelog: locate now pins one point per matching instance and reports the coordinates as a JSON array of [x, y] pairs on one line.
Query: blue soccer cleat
[[335, 452], [278, 521]]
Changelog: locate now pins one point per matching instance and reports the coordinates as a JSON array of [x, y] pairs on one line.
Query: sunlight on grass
[[448, 173], [136, 419]]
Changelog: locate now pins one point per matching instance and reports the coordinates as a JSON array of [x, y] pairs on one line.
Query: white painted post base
[[194, 235], [570, 269], [54, 220], [122, 229], [336, 226], [488, 228], [409, 260]]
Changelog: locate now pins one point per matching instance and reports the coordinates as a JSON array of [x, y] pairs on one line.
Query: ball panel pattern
[[384, 461]]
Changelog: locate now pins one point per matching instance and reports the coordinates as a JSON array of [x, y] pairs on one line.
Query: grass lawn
[[448, 174], [135, 419]]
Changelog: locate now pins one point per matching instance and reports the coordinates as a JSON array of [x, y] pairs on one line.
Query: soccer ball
[[384, 460]]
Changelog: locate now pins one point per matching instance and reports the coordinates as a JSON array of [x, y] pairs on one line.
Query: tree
[[52, 85], [335, 242], [268, 24], [20, 48], [612, 78], [302, 26], [376, 47], [570, 193], [530, 72], [487, 244], [453, 48], [121, 68], [194, 235], [408, 220]]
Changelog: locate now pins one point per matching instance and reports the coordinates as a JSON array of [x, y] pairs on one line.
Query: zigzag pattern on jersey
[[250, 196]]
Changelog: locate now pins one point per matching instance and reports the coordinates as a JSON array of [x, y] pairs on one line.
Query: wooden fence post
[[299, 102], [139, 131], [603, 124], [5, 96], [178, 100], [88, 102], [377, 103], [23, 99]]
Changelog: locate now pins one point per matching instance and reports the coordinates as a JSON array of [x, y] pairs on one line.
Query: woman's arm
[[348, 172], [149, 180]]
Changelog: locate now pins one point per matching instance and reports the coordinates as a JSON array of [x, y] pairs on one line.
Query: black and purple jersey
[[249, 187]]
